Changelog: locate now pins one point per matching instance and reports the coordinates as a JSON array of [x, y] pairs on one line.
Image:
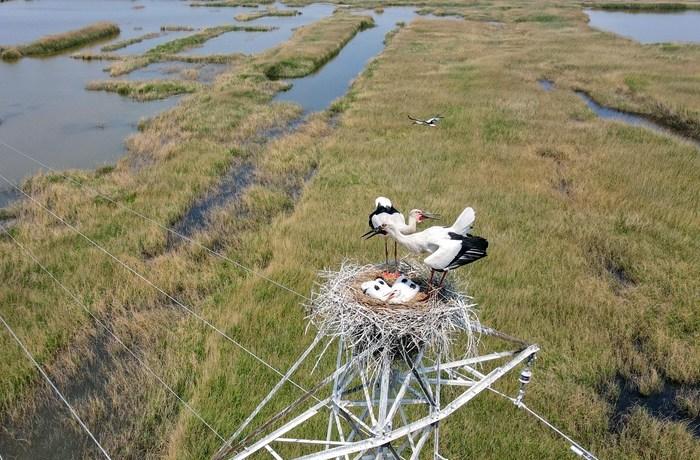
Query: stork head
[[421, 215]]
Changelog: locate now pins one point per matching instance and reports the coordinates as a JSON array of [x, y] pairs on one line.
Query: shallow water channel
[[647, 27]]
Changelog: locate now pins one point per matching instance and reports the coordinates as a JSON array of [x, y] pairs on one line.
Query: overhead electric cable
[[150, 283], [55, 389], [155, 222], [110, 332]]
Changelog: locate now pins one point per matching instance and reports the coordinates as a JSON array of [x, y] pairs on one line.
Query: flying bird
[[385, 212], [449, 247], [432, 121]]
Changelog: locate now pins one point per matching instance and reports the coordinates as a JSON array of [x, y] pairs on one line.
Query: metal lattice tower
[[391, 411]]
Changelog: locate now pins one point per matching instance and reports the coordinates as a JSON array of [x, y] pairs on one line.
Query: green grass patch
[[144, 90], [313, 46], [190, 41], [54, 44], [266, 13], [124, 43]]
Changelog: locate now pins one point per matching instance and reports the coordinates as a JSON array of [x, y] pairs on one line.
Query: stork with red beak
[[384, 213]]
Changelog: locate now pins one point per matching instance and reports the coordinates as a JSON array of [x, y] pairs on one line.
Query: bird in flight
[[432, 121]]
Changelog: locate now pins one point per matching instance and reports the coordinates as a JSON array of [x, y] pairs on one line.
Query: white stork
[[384, 212], [449, 247], [432, 121]]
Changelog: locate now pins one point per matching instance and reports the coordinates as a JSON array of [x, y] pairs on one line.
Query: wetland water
[[316, 92], [680, 27], [45, 110]]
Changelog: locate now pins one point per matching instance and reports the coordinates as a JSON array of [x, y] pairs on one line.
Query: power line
[[58, 392], [150, 283], [155, 222], [110, 332]]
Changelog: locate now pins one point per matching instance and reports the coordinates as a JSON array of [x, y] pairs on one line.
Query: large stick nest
[[379, 330]]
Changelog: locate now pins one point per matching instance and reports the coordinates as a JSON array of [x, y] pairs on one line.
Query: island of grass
[[243, 17], [169, 50], [233, 3], [321, 41], [54, 44], [144, 90], [124, 43]]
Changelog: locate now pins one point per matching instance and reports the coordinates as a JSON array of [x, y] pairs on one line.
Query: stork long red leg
[[386, 253], [396, 255], [442, 279]]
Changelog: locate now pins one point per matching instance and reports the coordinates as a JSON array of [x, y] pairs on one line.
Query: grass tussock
[[144, 90], [190, 41], [53, 44], [313, 45], [232, 3], [175, 28], [243, 17], [124, 43]]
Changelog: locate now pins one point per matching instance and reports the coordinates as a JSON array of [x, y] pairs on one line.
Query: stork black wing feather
[[382, 210], [473, 249]]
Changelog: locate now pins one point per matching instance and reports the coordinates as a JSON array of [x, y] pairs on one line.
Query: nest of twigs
[[378, 330]]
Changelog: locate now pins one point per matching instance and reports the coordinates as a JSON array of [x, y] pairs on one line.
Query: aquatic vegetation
[[144, 90], [265, 13], [53, 44], [232, 3], [175, 28], [313, 45], [180, 44], [124, 43]]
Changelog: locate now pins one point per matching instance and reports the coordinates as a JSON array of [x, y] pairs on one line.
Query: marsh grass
[[232, 3], [124, 43], [269, 12], [313, 45], [54, 44], [145, 90]]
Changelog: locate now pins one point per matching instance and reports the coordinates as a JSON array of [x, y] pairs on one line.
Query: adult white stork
[[384, 212], [432, 121], [449, 247]]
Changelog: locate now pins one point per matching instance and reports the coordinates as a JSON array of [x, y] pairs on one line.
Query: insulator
[[525, 376]]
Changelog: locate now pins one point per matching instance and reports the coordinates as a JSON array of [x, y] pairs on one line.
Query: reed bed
[[54, 44], [144, 90], [124, 43], [243, 17]]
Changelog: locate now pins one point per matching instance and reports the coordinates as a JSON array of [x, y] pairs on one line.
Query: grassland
[[53, 44], [265, 13], [569, 203], [144, 90]]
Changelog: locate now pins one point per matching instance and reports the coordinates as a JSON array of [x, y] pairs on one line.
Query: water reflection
[[317, 91], [682, 27], [608, 113]]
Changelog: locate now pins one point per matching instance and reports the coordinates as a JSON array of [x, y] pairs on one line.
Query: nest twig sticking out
[[379, 331]]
